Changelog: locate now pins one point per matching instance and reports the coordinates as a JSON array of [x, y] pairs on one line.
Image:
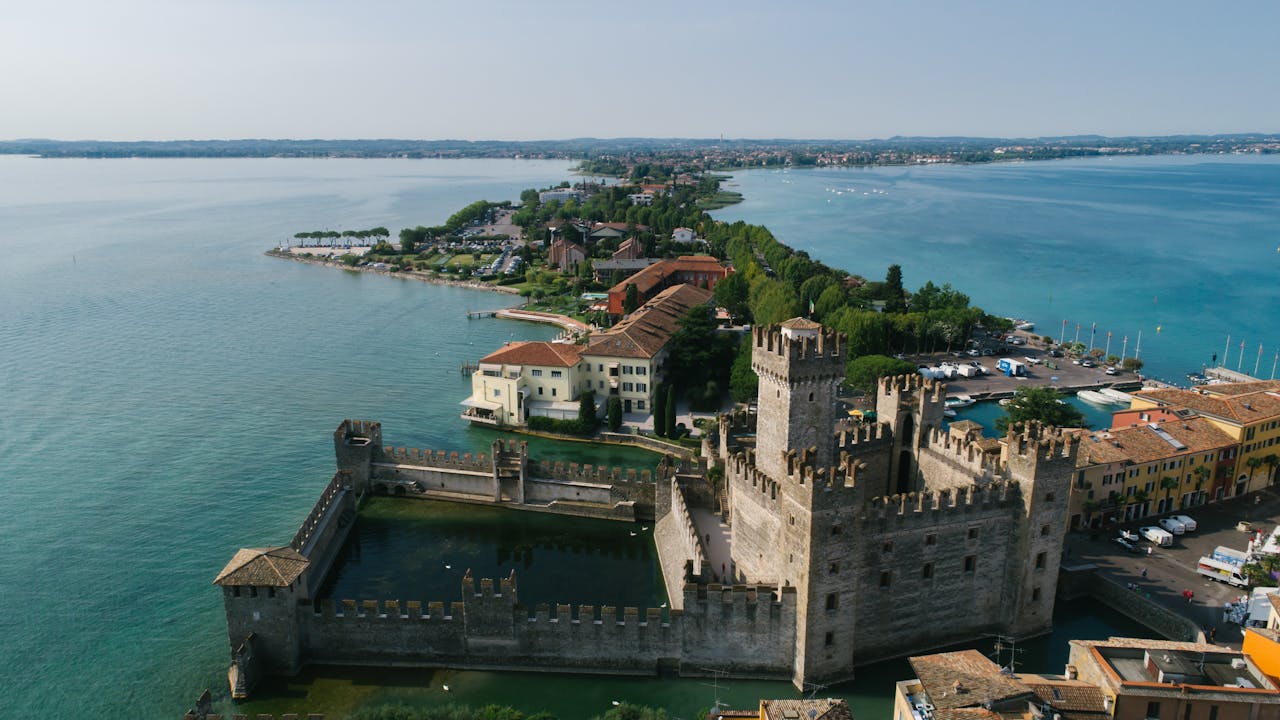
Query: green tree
[[1132, 364], [1253, 464], [631, 300], [1168, 484], [1272, 460], [744, 384], [830, 300], [660, 409], [615, 413], [669, 426], [774, 302], [1041, 404], [894, 293], [731, 293], [864, 372], [697, 353], [587, 410]]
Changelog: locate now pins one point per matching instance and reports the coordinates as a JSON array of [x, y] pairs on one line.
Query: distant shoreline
[[407, 274]]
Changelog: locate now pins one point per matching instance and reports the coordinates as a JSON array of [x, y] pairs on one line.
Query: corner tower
[[799, 363]]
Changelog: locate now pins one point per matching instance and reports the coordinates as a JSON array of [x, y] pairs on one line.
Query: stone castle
[[847, 543]]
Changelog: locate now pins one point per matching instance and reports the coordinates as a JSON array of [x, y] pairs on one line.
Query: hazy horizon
[[397, 69]]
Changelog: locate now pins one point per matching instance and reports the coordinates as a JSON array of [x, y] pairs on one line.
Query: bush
[[564, 427], [1132, 364]]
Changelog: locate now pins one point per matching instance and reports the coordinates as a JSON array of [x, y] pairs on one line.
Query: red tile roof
[[528, 352], [646, 331]]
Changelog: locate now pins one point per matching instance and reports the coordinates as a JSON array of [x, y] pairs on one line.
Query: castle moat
[[419, 550]]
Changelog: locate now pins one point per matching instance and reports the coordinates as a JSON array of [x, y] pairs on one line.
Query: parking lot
[[1172, 570], [1042, 369]]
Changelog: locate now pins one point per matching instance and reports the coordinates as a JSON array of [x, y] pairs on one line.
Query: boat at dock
[[955, 402], [1116, 396], [1095, 398]]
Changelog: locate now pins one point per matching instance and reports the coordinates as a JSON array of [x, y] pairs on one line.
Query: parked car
[[1110, 371], [1128, 546], [1130, 535], [974, 352], [1172, 525], [1088, 363], [1156, 536], [988, 352], [1187, 522]]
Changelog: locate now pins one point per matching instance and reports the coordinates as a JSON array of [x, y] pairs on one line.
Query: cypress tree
[[671, 411], [615, 414], [660, 410]]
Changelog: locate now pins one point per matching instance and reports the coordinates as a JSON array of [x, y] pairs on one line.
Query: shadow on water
[[409, 549]]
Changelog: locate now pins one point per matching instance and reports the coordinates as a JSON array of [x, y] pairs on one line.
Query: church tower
[[799, 363]]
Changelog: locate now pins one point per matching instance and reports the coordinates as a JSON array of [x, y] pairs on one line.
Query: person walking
[[1144, 573]]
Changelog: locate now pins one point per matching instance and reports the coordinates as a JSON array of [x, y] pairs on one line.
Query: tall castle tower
[[799, 363]]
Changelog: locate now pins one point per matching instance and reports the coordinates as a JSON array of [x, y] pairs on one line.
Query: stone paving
[[1172, 570]]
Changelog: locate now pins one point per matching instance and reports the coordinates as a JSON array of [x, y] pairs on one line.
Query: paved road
[[1172, 570]]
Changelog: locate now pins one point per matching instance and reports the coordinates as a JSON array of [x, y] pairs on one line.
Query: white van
[[1186, 521], [1172, 525], [1222, 572], [1156, 535]]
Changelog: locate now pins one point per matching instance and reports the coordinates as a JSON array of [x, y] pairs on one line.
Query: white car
[[1172, 525], [1156, 536], [1187, 523]]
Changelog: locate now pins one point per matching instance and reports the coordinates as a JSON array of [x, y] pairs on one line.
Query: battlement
[[573, 472], [996, 494], [506, 587], [962, 452], [451, 459], [1035, 441], [931, 390], [341, 481], [727, 603], [863, 438], [815, 355], [359, 432]]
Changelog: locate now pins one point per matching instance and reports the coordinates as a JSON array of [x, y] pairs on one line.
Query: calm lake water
[[1181, 249], [170, 393]]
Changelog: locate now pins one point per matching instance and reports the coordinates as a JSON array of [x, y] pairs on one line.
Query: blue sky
[[168, 69]]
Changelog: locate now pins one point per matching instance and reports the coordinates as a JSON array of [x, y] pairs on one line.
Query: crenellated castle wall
[[681, 553], [743, 631]]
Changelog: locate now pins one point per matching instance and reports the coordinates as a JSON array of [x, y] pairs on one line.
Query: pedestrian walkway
[[716, 541]]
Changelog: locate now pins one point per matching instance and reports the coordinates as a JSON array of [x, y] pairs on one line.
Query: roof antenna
[[812, 689], [717, 706]]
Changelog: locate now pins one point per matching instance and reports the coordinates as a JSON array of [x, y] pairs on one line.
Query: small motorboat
[[1094, 397]]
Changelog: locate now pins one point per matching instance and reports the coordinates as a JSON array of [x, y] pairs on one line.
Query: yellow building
[[525, 379], [806, 709], [1149, 468], [1248, 412]]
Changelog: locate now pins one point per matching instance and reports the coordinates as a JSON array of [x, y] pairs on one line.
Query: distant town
[[613, 156]]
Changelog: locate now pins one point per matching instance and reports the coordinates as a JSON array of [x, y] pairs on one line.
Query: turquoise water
[[170, 393], [1181, 249], [986, 413]]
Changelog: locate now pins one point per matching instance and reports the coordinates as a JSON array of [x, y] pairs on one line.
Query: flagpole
[[1063, 335], [1137, 348], [1273, 365], [1240, 360], [1258, 361], [1124, 349], [1226, 352], [1108, 343]]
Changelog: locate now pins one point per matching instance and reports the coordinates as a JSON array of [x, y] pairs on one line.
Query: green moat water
[[409, 549]]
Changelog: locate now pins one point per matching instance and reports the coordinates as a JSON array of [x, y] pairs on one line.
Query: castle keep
[[848, 543]]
